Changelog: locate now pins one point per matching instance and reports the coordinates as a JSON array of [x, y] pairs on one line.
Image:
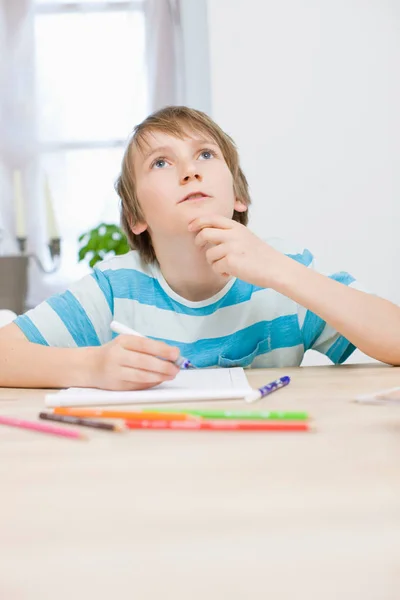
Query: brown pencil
[[84, 422]]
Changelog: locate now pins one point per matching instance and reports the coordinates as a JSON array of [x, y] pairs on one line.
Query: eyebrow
[[161, 149]]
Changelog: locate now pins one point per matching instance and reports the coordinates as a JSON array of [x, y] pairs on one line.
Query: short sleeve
[[79, 317], [318, 335]]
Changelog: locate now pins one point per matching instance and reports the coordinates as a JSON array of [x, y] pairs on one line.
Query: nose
[[190, 173]]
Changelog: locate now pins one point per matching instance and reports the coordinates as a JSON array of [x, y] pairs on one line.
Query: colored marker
[[387, 396], [122, 414], [83, 422], [234, 414], [267, 389], [181, 362], [42, 428], [220, 425]]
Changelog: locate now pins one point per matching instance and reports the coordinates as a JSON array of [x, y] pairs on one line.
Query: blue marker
[[181, 362], [267, 389]]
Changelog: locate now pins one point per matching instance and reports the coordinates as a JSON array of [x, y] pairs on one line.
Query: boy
[[197, 282]]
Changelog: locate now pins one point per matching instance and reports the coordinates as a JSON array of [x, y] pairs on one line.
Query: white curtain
[[164, 53], [19, 145], [18, 140]]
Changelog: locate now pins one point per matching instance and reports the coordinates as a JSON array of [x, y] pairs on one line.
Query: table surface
[[196, 515]]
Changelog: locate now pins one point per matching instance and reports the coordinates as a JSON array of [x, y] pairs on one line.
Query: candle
[[51, 218], [19, 205]]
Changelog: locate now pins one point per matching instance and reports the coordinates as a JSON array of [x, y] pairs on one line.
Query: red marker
[[219, 425]]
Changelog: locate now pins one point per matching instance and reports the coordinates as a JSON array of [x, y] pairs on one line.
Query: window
[[91, 90]]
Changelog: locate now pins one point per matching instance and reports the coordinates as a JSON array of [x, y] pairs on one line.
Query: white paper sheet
[[191, 385]]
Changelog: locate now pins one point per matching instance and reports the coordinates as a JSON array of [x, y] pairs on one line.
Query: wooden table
[[206, 515]]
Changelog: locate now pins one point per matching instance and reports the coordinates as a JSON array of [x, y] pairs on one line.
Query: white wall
[[196, 55], [310, 91]]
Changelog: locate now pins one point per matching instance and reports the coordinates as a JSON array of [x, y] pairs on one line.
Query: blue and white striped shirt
[[242, 325]]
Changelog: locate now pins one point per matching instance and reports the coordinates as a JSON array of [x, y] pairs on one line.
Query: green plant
[[100, 242]]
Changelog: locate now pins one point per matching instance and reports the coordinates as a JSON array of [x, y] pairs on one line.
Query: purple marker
[[267, 389]]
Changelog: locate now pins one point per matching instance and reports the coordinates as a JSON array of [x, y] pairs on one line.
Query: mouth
[[194, 196]]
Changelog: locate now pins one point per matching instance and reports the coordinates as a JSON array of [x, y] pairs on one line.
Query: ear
[[139, 228], [239, 206]]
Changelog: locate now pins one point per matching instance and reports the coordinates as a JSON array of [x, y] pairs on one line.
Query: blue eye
[[160, 163], [206, 154]]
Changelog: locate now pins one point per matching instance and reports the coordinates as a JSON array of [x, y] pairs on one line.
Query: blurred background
[[75, 78], [310, 92]]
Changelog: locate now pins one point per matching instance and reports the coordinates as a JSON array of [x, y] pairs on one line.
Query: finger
[[217, 221], [210, 235], [221, 267], [147, 362], [149, 346], [216, 253], [140, 379]]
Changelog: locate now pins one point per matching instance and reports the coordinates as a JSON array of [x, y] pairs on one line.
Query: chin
[[207, 208]]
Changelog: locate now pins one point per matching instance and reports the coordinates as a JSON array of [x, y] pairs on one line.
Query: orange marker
[[124, 414]]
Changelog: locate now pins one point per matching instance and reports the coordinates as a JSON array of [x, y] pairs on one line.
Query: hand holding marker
[[184, 363], [181, 362]]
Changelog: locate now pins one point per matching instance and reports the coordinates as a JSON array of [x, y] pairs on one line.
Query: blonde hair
[[175, 121]]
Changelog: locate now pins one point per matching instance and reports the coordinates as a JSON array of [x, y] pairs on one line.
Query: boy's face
[[178, 180]]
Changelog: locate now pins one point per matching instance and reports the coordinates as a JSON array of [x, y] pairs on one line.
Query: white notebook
[[191, 385]]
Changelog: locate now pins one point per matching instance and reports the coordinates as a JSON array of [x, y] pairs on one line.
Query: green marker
[[238, 415]]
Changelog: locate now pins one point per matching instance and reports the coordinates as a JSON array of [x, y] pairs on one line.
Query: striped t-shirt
[[242, 325]]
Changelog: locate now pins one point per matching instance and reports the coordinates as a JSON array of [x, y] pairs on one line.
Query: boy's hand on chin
[[232, 249]]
